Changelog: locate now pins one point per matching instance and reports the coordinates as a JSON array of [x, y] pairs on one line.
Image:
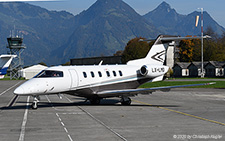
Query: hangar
[[31, 71]]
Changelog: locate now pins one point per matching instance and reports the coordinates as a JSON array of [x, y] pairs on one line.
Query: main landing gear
[[35, 102], [95, 100], [125, 100]]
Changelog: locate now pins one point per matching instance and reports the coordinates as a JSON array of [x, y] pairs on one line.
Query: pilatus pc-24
[[96, 82]]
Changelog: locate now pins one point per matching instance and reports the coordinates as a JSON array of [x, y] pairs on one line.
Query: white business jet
[[95, 82], [5, 61]]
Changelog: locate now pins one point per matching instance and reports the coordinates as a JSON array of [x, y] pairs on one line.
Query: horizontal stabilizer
[[175, 38]]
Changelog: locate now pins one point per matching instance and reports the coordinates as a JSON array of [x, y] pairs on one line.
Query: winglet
[[211, 83]]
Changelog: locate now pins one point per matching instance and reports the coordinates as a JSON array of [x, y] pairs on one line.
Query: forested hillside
[[54, 37]]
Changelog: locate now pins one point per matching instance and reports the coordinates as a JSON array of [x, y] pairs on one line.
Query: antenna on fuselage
[[100, 63]]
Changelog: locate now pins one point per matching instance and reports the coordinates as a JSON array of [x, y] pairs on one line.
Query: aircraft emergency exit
[[95, 82]]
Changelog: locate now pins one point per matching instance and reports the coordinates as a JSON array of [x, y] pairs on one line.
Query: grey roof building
[[214, 69], [180, 69], [193, 69]]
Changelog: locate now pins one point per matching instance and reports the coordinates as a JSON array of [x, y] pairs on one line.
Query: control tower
[[16, 47]]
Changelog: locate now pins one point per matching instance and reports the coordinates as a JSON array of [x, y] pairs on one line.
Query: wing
[[111, 93]]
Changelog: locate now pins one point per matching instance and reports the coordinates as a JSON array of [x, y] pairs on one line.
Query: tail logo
[[158, 56]]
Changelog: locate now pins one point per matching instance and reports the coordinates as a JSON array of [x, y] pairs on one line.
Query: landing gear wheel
[[125, 101], [95, 101], [34, 105], [35, 102]]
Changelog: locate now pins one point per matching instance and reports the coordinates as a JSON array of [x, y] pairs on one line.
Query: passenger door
[[74, 78]]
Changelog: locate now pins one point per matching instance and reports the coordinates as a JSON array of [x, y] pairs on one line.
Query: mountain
[[189, 24], [103, 29], [54, 37], [41, 29], [168, 20], [164, 18]]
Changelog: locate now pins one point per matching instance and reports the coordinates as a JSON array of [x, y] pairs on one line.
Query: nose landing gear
[[35, 102]]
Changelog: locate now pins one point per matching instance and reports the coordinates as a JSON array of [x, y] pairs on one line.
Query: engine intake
[[143, 70], [153, 70]]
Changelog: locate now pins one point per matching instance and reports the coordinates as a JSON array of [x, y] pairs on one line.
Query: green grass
[[219, 84], [8, 78], [205, 78]]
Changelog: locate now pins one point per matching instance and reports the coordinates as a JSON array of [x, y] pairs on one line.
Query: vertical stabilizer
[[155, 56], [5, 61]]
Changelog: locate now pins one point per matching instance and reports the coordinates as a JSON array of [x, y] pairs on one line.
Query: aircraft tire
[[126, 102], [34, 105], [95, 101]]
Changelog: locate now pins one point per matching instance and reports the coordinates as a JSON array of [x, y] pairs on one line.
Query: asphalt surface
[[181, 114]]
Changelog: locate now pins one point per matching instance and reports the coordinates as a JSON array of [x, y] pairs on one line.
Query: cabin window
[[107, 73], [99, 74], [49, 73], [120, 72], [92, 74], [85, 74], [114, 73]]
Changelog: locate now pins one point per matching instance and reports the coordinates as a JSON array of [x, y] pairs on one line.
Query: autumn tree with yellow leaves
[[213, 50], [190, 50], [186, 52]]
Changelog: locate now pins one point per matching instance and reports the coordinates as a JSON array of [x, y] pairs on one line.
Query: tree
[[135, 49], [118, 53], [190, 50], [186, 50], [42, 63], [196, 50], [214, 49], [66, 64], [209, 31], [210, 50]]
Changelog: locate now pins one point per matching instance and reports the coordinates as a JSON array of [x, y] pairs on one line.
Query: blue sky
[[216, 8]]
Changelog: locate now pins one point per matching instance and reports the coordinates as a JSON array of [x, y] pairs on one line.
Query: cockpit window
[[49, 73]]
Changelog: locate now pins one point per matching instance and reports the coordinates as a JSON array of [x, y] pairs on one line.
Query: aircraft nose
[[19, 91]]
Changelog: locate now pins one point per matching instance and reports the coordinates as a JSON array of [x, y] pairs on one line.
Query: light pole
[[202, 70]]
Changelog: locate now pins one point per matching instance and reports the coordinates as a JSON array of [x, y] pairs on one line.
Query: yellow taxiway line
[[182, 113]]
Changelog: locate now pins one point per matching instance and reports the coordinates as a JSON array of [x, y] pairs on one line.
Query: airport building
[[31, 71], [193, 69]]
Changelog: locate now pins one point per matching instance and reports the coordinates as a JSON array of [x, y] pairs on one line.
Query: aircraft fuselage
[[86, 81]]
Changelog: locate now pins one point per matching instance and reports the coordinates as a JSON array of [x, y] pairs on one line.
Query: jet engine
[[153, 70]]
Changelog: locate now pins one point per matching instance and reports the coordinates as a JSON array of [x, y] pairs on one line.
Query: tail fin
[[5, 61], [157, 54]]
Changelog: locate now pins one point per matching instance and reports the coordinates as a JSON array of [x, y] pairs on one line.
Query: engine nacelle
[[153, 70]]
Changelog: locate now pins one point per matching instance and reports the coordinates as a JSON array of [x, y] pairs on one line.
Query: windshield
[[49, 73]]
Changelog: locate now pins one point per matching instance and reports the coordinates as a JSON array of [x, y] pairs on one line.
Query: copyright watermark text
[[183, 137]]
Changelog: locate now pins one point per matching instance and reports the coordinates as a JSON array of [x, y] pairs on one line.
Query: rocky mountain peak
[[164, 6]]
